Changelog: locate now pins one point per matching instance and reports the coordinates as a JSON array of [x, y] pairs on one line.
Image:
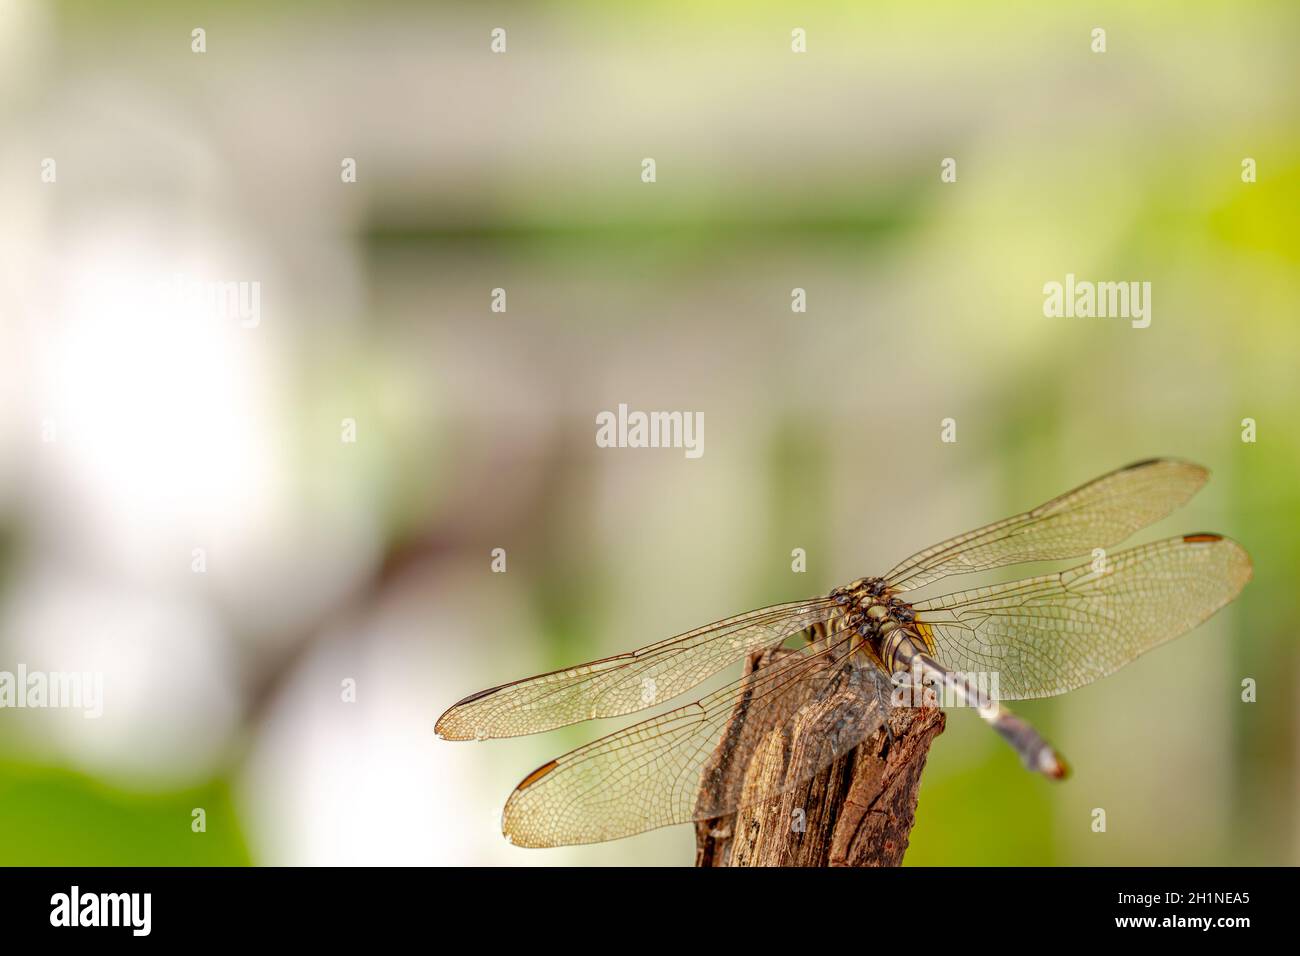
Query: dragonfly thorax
[[871, 609]]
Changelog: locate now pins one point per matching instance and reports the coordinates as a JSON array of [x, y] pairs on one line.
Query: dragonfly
[[1038, 637]]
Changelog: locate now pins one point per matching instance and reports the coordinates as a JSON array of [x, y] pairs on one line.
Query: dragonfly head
[[860, 593]]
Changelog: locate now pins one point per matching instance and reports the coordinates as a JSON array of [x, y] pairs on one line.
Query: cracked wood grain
[[857, 812]]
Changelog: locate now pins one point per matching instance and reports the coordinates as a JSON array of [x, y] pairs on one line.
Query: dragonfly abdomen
[[905, 652]]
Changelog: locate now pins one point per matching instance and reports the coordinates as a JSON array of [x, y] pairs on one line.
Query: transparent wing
[[688, 763], [1047, 635], [626, 683], [1099, 514]]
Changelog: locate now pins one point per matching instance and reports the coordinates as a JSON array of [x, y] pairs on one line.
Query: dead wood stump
[[857, 812]]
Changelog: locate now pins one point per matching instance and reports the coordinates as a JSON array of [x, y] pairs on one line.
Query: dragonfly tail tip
[[1051, 765]]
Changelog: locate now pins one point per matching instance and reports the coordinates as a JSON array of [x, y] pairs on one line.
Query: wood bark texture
[[857, 812]]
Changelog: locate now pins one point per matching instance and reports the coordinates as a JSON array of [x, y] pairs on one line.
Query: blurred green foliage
[[56, 817]]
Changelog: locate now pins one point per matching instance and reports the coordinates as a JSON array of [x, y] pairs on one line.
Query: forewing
[[1099, 514], [688, 763], [1050, 634], [626, 683]]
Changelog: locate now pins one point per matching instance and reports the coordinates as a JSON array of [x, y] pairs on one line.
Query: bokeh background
[[370, 561]]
